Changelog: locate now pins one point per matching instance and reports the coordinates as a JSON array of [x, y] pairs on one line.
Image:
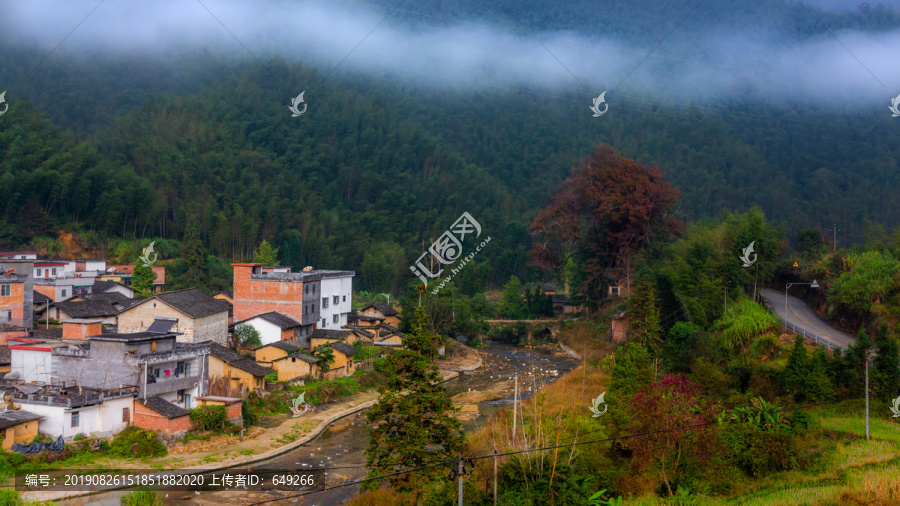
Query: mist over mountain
[[417, 113]]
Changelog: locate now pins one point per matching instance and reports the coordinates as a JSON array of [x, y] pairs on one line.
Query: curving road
[[802, 316]]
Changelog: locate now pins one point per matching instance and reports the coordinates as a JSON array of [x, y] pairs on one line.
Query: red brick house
[[16, 298], [156, 413]]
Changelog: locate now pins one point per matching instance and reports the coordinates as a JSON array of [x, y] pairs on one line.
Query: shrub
[[249, 414], [134, 442], [759, 452], [142, 498], [246, 335], [209, 417]]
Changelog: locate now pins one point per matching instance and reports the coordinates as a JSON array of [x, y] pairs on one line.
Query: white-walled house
[[336, 298], [274, 327], [30, 359], [73, 410]]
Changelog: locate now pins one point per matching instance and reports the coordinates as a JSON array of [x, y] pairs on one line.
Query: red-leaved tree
[[607, 210], [668, 450]]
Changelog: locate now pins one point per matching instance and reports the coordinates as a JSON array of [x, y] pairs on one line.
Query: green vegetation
[[266, 254], [247, 336], [136, 443], [209, 417], [143, 498], [142, 280]]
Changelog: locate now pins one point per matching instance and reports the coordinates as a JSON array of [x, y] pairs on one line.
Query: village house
[[618, 330], [230, 371], [321, 337], [101, 286], [295, 366], [268, 353], [18, 426], [124, 273], [86, 309], [40, 303], [153, 361], [343, 360], [74, 410], [197, 316], [158, 414], [273, 327], [18, 255], [383, 313], [16, 298], [315, 298], [228, 298], [547, 288], [60, 279]]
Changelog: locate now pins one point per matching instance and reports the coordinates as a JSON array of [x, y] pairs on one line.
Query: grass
[[142, 498]]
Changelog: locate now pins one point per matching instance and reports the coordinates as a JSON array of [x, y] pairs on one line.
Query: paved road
[[801, 315]]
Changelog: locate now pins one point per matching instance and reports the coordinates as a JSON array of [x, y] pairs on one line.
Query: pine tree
[[414, 419], [512, 306], [192, 254], [266, 254], [794, 375], [142, 279]]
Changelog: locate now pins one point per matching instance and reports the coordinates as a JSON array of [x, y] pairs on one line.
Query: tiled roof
[[39, 297], [282, 321], [330, 334], [193, 302], [164, 407], [107, 296], [105, 286], [87, 309], [16, 417], [224, 354], [392, 329], [549, 287], [385, 309], [288, 346], [344, 348], [302, 356], [251, 367]]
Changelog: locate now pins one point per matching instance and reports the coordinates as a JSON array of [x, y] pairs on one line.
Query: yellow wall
[[217, 367], [269, 354], [292, 367], [23, 433]]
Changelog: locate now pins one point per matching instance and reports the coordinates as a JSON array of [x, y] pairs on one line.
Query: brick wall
[[81, 330], [256, 296], [148, 419], [232, 408], [48, 290], [15, 302]]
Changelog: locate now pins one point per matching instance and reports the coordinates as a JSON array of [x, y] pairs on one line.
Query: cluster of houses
[[111, 360]]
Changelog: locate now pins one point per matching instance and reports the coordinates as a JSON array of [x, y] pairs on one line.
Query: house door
[[187, 401]]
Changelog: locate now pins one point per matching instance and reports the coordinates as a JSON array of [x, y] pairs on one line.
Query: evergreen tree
[[643, 315], [191, 253], [266, 254], [415, 426], [793, 377], [512, 306], [887, 367], [142, 279]]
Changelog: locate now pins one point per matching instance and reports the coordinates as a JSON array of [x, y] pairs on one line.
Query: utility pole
[[459, 474], [834, 239], [867, 394], [495, 477], [726, 295]]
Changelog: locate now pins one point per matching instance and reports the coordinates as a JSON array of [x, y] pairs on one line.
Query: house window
[[39, 273], [53, 271], [5, 316], [4, 290], [179, 369], [293, 359], [324, 301], [125, 415], [337, 300], [75, 418], [180, 396], [64, 293], [345, 298], [336, 319], [187, 370], [152, 344], [323, 322]]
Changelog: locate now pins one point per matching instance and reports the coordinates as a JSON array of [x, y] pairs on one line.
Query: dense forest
[[138, 148]]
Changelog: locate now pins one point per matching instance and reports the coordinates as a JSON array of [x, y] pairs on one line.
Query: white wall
[[93, 265], [32, 365], [103, 419], [268, 332], [343, 288]]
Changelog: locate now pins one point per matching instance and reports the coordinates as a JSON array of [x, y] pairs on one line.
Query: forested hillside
[[379, 165]]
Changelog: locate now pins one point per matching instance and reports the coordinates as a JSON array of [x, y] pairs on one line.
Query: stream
[[340, 448]]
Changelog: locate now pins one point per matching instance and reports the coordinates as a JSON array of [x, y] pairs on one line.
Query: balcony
[[172, 385]]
